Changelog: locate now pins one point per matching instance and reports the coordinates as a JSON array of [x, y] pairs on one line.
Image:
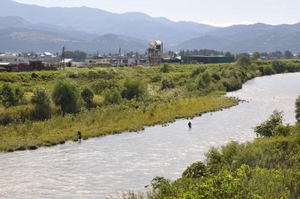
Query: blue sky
[[214, 12]]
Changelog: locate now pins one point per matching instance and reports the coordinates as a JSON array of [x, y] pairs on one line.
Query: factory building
[[155, 53]]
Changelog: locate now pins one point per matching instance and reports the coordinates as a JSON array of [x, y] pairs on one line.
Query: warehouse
[[196, 59]]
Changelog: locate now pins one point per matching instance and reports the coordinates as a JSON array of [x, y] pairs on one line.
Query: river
[[101, 167]]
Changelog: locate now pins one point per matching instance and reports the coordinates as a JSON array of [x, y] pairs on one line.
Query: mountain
[[17, 35], [248, 38], [96, 21], [39, 29], [21, 39]]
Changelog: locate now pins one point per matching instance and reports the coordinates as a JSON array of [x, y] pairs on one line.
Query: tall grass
[[102, 121]]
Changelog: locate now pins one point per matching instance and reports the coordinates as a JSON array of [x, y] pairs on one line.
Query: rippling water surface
[[100, 167]]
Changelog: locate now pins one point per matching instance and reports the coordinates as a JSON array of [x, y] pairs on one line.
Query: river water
[[104, 166]]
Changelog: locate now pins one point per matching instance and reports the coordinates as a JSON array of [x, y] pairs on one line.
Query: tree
[[41, 101], [298, 109], [255, 56], [244, 60], [8, 96], [196, 170], [268, 128], [66, 95], [88, 96], [133, 88]]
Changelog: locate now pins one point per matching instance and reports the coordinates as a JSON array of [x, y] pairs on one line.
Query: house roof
[[4, 63]]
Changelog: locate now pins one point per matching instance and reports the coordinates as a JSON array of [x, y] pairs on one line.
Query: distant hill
[[248, 38], [96, 21], [39, 29], [17, 34], [20, 40]]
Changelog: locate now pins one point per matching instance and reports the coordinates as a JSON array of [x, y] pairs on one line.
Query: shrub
[[66, 95], [282, 130], [196, 170], [42, 109], [268, 70], [278, 66], [156, 78], [101, 85], [133, 88], [92, 74], [206, 77], [232, 84], [165, 68], [87, 95], [198, 70], [267, 128], [113, 97], [244, 60], [8, 96], [34, 75], [204, 80], [216, 76], [298, 109], [40, 96], [161, 186], [167, 83]]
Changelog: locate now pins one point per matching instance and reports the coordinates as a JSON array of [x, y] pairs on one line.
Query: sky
[[213, 12]]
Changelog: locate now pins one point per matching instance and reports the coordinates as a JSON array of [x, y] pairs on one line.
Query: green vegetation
[[41, 101], [298, 109], [65, 95], [106, 100], [266, 168]]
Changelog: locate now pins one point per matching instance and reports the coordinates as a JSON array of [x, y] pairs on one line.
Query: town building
[[198, 59], [155, 53]]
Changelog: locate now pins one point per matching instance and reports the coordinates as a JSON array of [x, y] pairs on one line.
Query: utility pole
[[62, 61]]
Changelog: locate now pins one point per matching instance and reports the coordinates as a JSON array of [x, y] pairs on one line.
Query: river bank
[[100, 122], [103, 166], [166, 93]]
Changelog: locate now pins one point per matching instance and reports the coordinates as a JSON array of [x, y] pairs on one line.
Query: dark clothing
[[79, 135], [190, 125]]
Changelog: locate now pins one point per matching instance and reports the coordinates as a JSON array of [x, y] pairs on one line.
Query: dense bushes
[[232, 84], [196, 170], [87, 96], [167, 83], [129, 88], [267, 128], [166, 68], [9, 96], [101, 85], [133, 88], [265, 168], [278, 66], [113, 96], [66, 96], [298, 109], [41, 101]]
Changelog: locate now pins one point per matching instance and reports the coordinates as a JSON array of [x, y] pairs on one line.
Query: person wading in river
[[190, 124]]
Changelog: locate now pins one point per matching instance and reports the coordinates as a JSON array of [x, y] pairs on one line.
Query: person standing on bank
[[79, 136]]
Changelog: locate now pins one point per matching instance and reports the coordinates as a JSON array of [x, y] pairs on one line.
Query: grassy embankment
[[172, 92], [267, 168]]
